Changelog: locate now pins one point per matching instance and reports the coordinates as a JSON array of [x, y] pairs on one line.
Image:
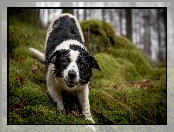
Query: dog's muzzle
[[70, 81]]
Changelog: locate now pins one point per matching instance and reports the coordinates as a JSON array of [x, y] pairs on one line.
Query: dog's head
[[74, 65]]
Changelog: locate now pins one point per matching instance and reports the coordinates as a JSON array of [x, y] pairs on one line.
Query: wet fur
[[65, 51]]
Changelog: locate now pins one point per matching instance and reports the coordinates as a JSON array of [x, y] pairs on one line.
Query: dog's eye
[[65, 62]]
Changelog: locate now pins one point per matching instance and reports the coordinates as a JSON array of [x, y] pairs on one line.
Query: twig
[[104, 116]]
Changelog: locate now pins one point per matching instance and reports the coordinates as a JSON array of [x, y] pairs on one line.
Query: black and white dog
[[69, 64]]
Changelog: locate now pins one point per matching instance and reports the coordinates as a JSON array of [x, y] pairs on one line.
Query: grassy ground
[[128, 90]]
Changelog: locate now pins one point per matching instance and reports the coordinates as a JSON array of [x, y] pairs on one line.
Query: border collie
[[69, 64]]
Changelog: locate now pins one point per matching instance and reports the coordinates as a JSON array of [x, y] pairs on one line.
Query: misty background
[[145, 27]]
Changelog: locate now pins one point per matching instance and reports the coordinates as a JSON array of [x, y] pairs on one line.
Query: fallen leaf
[[36, 68], [115, 87], [75, 113], [21, 59], [21, 79]]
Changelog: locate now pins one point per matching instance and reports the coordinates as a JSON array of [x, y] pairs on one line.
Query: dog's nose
[[71, 74]]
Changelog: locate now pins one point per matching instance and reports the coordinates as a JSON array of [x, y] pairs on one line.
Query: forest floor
[[130, 89]]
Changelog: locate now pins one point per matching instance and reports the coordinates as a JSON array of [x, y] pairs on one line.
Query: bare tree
[[103, 14], [85, 12], [161, 30], [120, 13], [129, 23], [146, 34], [77, 11], [68, 11], [104, 11]]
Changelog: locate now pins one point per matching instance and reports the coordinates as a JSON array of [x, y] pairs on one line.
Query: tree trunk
[[25, 15], [159, 37], [165, 33], [68, 11], [85, 14], [120, 21], [146, 35], [103, 14], [129, 23], [78, 15], [85, 11]]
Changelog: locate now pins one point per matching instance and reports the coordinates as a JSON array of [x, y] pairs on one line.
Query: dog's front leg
[[83, 96], [57, 97], [55, 93]]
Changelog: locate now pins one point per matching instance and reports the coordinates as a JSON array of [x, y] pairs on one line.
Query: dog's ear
[[94, 63], [52, 57], [56, 55]]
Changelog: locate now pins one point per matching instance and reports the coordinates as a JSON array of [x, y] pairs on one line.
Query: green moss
[[123, 43], [18, 34], [100, 37], [119, 70], [141, 63], [109, 65], [128, 105], [122, 49], [113, 99]]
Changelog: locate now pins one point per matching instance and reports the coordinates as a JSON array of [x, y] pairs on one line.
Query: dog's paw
[[89, 117]]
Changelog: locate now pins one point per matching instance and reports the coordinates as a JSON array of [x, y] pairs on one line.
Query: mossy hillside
[[24, 35], [141, 63], [100, 37], [113, 98], [116, 69]]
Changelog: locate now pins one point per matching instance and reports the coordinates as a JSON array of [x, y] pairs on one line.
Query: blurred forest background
[[147, 28], [144, 27], [136, 91]]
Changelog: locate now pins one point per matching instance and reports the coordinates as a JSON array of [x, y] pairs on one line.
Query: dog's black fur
[[63, 29]]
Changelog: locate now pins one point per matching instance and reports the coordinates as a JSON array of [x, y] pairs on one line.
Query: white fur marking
[[72, 66], [66, 44]]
